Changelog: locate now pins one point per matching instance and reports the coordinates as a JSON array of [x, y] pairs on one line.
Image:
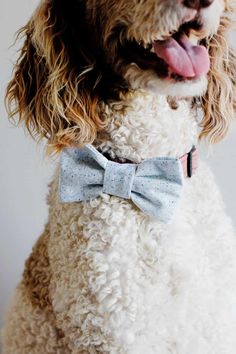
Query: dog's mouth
[[178, 57]]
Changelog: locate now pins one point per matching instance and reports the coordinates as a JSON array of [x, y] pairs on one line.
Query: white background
[[25, 172]]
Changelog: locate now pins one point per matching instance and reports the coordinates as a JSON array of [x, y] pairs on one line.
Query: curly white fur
[[123, 283]]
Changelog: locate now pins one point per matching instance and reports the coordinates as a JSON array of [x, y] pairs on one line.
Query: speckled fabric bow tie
[[154, 185]]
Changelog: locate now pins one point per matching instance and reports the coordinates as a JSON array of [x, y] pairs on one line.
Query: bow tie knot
[[154, 185], [118, 179]]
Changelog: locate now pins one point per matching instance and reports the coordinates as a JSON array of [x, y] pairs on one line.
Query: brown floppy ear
[[220, 100], [52, 90]]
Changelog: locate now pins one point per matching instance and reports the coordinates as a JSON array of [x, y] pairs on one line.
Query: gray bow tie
[[154, 185]]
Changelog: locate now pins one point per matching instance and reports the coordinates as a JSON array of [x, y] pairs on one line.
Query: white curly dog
[[137, 80]]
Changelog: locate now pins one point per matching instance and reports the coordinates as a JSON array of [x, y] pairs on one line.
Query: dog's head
[[79, 54]]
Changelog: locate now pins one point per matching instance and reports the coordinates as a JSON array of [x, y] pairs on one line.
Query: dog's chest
[[149, 284]]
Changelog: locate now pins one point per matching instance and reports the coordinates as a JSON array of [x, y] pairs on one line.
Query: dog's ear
[[52, 90], [220, 100]]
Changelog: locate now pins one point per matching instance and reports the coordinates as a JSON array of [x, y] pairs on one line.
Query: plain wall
[[25, 173]]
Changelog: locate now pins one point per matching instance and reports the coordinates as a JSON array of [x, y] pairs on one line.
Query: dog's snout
[[197, 4]]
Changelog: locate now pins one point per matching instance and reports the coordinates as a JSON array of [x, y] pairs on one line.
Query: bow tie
[[154, 185]]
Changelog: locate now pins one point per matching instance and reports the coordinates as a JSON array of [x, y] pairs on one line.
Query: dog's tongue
[[183, 57]]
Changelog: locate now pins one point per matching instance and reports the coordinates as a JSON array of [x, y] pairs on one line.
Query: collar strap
[[189, 161]]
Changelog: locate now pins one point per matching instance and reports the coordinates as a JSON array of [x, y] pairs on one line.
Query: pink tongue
[[183, 57]]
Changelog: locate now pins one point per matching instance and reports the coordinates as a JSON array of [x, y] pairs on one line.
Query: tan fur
[[31, 313], [49, 90], [37, 274], [220, 100], [46, 89]]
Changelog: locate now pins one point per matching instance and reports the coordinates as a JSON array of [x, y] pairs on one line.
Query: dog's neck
[[147, 125]]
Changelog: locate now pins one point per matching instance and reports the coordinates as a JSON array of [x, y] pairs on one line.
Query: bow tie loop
[[118, 179]]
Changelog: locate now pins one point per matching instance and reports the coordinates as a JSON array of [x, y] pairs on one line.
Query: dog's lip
[[183, 57], [148, 57], [188, 24], [182, 52]]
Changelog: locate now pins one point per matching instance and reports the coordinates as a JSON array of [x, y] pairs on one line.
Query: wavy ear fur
[[54, 85], [61, 76], [219, 102]]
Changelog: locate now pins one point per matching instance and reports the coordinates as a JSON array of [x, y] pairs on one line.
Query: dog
[[132, 85]]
